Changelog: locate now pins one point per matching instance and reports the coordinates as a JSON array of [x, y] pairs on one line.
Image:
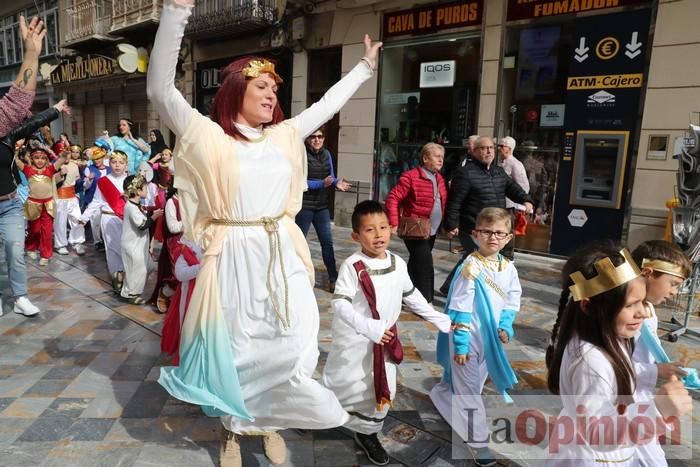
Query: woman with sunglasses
[[314, 207]]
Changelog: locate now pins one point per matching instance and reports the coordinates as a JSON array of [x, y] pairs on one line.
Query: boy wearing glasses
[[482, 302]]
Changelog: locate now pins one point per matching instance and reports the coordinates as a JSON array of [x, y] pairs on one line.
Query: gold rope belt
[[271, 225]]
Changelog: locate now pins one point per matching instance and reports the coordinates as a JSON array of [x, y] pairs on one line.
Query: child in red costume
[[39, 208]]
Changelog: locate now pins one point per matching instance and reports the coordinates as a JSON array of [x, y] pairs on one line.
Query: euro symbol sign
[[607, 48]]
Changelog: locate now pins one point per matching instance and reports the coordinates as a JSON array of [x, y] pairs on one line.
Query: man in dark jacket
[[480, 184]]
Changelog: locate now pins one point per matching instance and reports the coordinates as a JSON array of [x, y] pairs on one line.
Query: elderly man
[[479, 184], [515, 170]]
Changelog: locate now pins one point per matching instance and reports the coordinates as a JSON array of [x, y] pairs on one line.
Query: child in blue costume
[[483, 300]]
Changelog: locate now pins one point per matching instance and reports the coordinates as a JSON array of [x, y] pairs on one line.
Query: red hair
[[228, 100]]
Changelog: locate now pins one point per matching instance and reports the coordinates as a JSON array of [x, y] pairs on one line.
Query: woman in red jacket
[[421, 192]]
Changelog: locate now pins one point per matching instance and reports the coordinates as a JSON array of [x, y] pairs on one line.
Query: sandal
[[163, 302], [136, 300], [116, 286]]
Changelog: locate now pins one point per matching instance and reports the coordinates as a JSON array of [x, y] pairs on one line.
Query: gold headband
[[76, 148], [119, 155], [133, 187], [255, 68], [96, 152], [608, 277], [665, 267]]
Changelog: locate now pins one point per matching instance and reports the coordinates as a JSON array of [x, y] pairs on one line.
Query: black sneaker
[[100, 246], [483, 457], [373, 448]]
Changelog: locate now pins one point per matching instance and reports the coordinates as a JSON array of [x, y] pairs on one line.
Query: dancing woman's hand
[[371, 51]]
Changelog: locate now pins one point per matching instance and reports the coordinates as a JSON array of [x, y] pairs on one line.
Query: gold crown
[[255, 68], [665, 267], [608, 277], [119, 155], [133, 187]]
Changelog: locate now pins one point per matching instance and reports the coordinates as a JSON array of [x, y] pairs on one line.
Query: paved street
[[78, 383]]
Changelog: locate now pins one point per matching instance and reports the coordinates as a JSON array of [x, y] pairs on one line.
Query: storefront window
[[532, 111], [428, 94]]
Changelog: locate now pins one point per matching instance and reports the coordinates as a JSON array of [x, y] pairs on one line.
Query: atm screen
[[598, 160]]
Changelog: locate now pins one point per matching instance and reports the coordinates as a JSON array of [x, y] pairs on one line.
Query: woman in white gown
[[240, 180]]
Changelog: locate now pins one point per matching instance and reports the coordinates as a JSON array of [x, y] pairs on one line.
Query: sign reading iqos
[[437, 74]]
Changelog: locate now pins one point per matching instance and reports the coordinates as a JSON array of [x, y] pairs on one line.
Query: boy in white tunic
[[135, 239], [361, 366], [664, 268], [482, 303]]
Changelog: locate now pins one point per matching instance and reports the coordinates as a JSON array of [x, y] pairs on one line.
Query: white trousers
[[112, 235], [464, 409], [67, 213], [95, 227]]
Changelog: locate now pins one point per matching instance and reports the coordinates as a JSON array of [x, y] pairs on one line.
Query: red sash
[[170, 336], [393, 348], [112, 196]]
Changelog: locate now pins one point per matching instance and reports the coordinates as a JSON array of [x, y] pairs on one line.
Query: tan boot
[[229, 450], [275, 448]]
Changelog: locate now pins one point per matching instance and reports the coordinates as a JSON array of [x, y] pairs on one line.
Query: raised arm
[[160, 86], [336, 97]]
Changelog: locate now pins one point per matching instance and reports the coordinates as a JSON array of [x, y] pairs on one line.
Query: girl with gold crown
[[590, 364], [108, 200], [249, 340]]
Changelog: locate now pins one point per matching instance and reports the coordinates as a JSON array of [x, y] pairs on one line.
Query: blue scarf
[[691, 381]]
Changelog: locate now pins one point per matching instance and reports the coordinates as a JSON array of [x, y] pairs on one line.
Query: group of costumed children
[[125, 213], [604, 348], [604, 343]]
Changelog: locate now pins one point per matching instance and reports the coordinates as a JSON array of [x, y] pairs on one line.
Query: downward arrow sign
[[633, 46], [581, 52]]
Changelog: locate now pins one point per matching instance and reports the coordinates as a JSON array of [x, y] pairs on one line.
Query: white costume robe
[[270, 386], [587, 375], [468, 380], [135, 254], [349, 368], [647, 374], [110, 224], [68, 213]]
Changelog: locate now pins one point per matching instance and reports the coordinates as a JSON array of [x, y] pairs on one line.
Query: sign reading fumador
[[605, 81], [526, 9], [81, 68]]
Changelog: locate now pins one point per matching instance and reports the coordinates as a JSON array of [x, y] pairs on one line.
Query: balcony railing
[[87, 20], [231, 17], [130, 13]]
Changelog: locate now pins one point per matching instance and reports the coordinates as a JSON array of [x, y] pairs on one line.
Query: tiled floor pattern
[[78, 382]]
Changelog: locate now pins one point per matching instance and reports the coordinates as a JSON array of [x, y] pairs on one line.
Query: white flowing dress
[[274, 365]]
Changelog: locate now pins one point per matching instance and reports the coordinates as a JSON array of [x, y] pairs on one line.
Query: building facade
[[596, 92]]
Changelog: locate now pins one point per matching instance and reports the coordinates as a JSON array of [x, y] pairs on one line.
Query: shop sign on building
[[552, 115], [80, 68], [527, 9], [437, 74], [577, 217], [433, 18]]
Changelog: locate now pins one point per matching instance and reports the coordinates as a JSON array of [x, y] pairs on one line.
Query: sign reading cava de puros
[[81, 68], [433, 18]]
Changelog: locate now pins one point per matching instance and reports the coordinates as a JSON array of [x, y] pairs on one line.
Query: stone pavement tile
[[151, 430], [25, 454], [63, 372], [20, 351], [111, 404], [5, 401], [47, 388], [127, 339], [68, 407], [407, 444], [147, 402], [134, 370], [343, 453], [82, 328], [89, 429], [47, 429], [92, 454], [108, 362], [114, 322], [12, 428], [177, 408], [153, 455], [6, 371], [207, 429], [89, 384], [30, 407], [142, 314]]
